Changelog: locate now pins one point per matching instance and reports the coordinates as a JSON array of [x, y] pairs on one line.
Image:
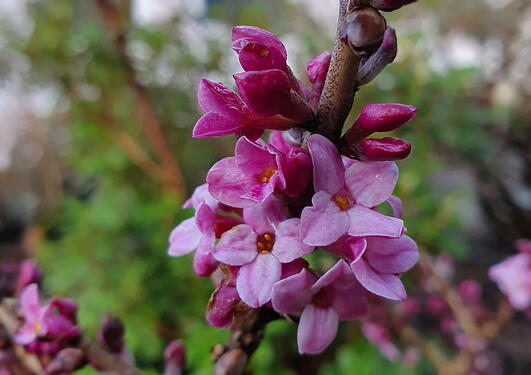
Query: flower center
[[266, 176], [264, 243], [324, 297], [37, 327], [341, 201]]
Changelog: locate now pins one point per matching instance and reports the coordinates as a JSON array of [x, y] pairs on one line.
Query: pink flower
[[377, 262], [259, 247], [249, 177], [344, 198], [35, 316], [513, 277], [323, 302], [226, 113]]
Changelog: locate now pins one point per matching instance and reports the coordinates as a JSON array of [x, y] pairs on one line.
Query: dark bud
[[363, 29], [174, 358], [383, 56], [29, 273], [111, 334], [66, 361], [389, 5]]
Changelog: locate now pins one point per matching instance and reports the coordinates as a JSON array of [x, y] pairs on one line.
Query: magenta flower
[[226, 113], [259, 247], [383, 260], [513, 277], [249, 177], [344, 198], [35, 316], [323, 303]]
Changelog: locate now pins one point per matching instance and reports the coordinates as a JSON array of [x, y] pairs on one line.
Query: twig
[[247, 333], [340, 85]]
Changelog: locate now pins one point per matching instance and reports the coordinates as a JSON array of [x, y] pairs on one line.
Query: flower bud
[[221, 306], [383, 56], [384, 149], [174, 358], [66, 307], [389, 5], [470, 291], [111, 334], [363, 28], [66, 361], [317, 70], [29, 273]]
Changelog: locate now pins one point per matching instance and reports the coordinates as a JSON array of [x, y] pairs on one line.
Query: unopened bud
[[364, 27], [383, 56], [66, 361], [389, 5], [384, 149], [377, 118], [174, 358], [66, 307], [111, 334]]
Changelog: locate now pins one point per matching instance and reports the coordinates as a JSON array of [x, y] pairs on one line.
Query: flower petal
[[292, 294], [348, 247], [367, 222], [253, 159], [258, 35], [30, 303], [385, 285], [204, 262], [264, 217], [184, 238], [328, 169], [25, 335], [323, 223], [221, 306], [396, 205], [237, 246], [228, 184], [317, 329], [214, 125], [255, 280], [288, 245], [391, 255], [218, 98], [331, 275], [371, 183]]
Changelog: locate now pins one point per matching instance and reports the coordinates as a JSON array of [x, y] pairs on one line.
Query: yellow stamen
[[266, 176], [341, 201], [264, 53], [37, 327]]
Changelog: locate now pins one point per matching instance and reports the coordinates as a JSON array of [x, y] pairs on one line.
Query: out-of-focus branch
[[437, 357], [113, 15], [340, 85]]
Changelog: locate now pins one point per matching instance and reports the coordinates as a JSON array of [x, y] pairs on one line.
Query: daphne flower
[[249, 177], [226, 113], [35, 316], [513, 277], [343, 199], [323, 303], [259, 247]]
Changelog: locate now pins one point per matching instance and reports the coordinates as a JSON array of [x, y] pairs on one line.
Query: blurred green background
[[92, 190]]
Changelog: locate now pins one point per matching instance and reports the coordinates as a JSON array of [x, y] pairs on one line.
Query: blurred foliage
[[106, 245]]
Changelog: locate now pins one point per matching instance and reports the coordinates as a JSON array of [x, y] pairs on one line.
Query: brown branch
[[340, 85], [247, 333], [436, 356], [114, 19]]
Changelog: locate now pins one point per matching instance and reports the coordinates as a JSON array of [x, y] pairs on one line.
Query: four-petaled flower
[[260, 247], [344, 197], [35, 316]]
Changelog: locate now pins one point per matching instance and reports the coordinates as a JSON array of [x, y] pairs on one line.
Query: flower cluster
[[272, 203]]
